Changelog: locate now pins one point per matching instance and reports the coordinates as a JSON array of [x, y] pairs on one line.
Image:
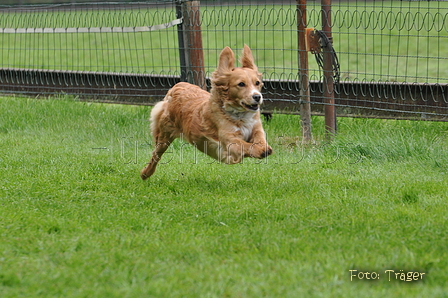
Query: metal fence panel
[[392, 54]]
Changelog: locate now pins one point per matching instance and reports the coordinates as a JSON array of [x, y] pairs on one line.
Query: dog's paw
[[260, 151], [267, 152], [143, 176], [146, 172]]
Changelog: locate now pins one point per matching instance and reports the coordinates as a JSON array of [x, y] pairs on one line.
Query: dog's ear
[[247, 59], [226, 60]]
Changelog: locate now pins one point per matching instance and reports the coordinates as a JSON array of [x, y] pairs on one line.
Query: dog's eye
[[257, 83], [241, 84]]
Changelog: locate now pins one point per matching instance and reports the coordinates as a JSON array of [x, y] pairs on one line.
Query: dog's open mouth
[[253, 107]]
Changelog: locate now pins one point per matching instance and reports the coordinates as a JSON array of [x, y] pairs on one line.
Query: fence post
[[305, 105], [190, 43], [328, 80]]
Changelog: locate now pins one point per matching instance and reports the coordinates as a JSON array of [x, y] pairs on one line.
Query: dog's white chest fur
[[246, 128]]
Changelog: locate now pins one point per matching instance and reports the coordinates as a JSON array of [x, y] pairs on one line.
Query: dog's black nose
[[256, 97]]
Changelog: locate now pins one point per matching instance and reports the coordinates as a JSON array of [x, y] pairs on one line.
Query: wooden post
[[190, 43], [305, 105], [328, 80]]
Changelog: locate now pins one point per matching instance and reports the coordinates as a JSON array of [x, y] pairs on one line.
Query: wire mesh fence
[[392, 54], [79, 37]]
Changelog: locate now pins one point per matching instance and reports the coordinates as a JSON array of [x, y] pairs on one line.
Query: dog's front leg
[[233, 151], [229, 152], [260, 147]]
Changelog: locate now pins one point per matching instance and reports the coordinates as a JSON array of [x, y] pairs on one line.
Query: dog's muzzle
[[253, 107], [257, 99]]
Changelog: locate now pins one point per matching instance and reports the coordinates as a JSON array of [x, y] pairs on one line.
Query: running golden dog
[[224, 124]]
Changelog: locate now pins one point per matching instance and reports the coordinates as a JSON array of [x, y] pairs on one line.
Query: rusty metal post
[[190, 43], [305, 105], [328, 80]]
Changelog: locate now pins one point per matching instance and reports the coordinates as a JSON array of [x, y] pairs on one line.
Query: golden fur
[[224, 124]]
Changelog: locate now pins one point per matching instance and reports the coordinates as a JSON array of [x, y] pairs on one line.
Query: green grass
[[403, 41], [77, 221]]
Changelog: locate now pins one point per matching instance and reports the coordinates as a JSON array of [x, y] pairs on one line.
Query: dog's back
[[175, 113]]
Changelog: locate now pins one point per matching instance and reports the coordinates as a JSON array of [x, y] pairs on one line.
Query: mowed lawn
[[77, 221]]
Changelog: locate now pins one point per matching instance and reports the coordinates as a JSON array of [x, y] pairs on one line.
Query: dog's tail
[[156, 113]]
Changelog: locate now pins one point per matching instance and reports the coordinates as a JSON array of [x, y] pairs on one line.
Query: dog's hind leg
[[161, 145], [163, 132]]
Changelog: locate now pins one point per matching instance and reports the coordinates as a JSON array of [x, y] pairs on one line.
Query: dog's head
[[241, 85]]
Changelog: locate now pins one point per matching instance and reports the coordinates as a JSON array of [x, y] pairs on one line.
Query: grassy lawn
[[77, 221]]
